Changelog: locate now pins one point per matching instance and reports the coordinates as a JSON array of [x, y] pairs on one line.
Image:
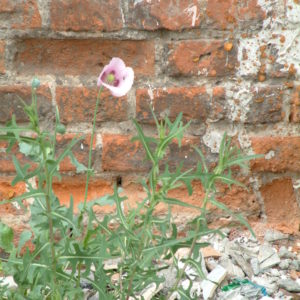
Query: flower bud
[[60, 128], [35, 83]]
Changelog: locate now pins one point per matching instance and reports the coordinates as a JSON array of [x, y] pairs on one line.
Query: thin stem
[[88, 175], [144, 238], [47, 188], [182, 271]]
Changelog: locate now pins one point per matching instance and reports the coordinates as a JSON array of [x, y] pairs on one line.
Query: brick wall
[[227, 65]]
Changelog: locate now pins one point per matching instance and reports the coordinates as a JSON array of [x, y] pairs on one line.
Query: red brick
[[89, 15], [81, 57], [8, 192], [77, 104], [167, 14], [281, 205], [266, 105], [295, 106], [236, 198], [20, 14], [75, 186], [283, 154], [80, 150], [121, 155], [208, 58], [6, 164], [193, 102], [10, 103], [2, 57], [240, 199], [228, 14]]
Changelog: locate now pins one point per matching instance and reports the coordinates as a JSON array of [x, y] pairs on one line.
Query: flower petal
[[124, 77], [125, 84]]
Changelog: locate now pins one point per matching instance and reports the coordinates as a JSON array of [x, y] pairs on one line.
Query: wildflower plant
[[67, 250]]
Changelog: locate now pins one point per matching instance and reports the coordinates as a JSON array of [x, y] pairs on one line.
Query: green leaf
[[102, 201], [197, 266], [169, 243], [239, 217], [30, 194], [80, 168], [144, 142], [228, 180], [6, 237], [24, 237], [173, 201], [64, 154]]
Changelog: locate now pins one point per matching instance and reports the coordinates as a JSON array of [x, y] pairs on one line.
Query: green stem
[[47, 188], [88, 175], [182, 271], [144, 238]]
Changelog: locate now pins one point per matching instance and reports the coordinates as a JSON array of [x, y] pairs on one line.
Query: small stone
[[270, 262], [9, 281], [265, 252], [208, 286], [274, 235], [284, 264], [255, 265], [285, 253], [295, 265], [289, 285], [111, 264], [232, 269], [232, 295], [149, 292], [211, 263], [170, 277], [210, 252], [95, 296], [267, 283], [274, 272], [267, 257], [294, 274], [240, 260]]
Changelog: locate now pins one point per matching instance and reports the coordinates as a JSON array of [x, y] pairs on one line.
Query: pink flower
[[116, 77]]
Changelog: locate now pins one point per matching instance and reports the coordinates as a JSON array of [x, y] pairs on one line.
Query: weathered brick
[[121, 155], [81, 57], [193, 102], [2, 57], [19, 14], [167, 14], [7, 192], [295, 106], [281, 153], [80, 150], [232, 13], [208, 58], [239, 198], [89, 15], [11, 104], [266, 105], [75, 186], [77, 104], [281, 205]]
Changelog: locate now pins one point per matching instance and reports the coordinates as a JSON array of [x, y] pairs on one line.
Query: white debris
[[208, 286]]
